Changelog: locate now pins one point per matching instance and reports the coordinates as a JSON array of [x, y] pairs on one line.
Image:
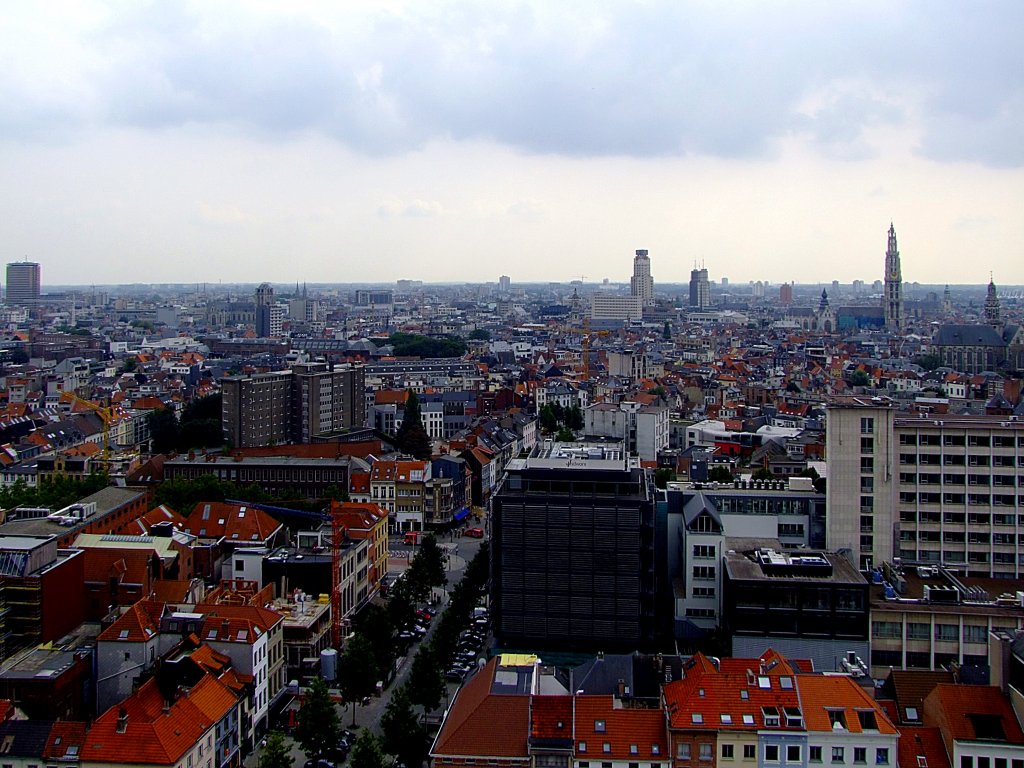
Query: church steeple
[[992, 312], [893, 299]]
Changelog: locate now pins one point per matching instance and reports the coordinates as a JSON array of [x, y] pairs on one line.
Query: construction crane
[[105, 414], [586, 333]]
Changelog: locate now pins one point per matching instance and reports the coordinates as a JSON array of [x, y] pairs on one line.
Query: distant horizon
[[463, 140]]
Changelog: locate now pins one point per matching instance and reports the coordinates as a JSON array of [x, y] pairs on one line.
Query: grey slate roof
[[968, 336]]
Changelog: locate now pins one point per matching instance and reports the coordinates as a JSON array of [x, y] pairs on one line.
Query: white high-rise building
[[642, 284]]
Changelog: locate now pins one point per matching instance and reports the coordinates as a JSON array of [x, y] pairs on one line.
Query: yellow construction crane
[[586, 333], [105, 414]]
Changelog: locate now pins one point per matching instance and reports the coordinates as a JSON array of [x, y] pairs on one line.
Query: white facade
[[604, 306]]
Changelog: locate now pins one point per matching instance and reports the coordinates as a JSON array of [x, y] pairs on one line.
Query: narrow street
[[460, 549]]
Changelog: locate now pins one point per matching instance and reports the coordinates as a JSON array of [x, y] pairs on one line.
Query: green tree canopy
[[432, 559], [319, 729], [367, 753], [426, 680], [357, 671], [276, 754], [480, 334], [719, 475], [415, 345], [402, 733]]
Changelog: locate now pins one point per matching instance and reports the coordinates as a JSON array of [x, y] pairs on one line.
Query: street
[[460, 550]]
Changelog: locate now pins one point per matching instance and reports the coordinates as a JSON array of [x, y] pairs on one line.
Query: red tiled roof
[[963, 706], [63, 735], [618, 733], [234, 522], [480, 723], [137, 624], [152, 736], [820, 695], [551, 717], [918, 743]]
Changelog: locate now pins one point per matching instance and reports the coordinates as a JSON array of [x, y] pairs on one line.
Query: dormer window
[[837, 719]]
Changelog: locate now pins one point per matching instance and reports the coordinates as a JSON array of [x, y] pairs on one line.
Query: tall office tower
[[641, 285], [22, 283], [893, 285], [700, 289], [786, 294], [504, 283], [268, 315], [572, 551], [992, 313], [929, 489]]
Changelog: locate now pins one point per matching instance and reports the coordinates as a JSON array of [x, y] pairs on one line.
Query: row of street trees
[[369, 657]]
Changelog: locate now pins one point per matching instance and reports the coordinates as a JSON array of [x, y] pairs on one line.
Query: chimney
[[122, 720], [620, 688]]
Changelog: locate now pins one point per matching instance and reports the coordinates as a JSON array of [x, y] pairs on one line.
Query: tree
[[357, 671], [574, 418], [763, 473], [860, 378], [402, 734], [366, 752], [661, 477], [275, 753], [318, 730], [565, 435], [411, 437], [163, 429], [719, 475], [929, 362], [793, 387], [548, 420], [433, 561], [375, 625], [426, 680], [480, 334]]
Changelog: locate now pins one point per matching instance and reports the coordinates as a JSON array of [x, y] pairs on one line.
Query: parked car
[[474, 533]]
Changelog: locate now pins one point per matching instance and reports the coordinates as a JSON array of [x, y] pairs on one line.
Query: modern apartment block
[[926, 488], [295, 405], [573, 550]]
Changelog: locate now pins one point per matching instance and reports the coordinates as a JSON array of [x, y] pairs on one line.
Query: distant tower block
[[642, 284], [893, 296]]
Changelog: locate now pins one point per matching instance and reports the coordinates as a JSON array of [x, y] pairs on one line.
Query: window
[[815, 754], [885, 630], [683, 751], [946, 632], [966, 761], [771, 753], [583, 746], [868, 722], [860, 755], [750, 751], [599, 726], [867, 464], [882, 756], [726, 719], [838, 755], [837, 719], [918, 631], [697, 718], [792, 753], [703, 572], [727, 751], [705, 751], [771, 717], [703, 550], [867, 425], [867, 445], [974, 634], [606, 747]]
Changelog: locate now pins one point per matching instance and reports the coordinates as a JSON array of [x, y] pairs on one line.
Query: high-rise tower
[[22, 283], [642, 284], [893, 285], [700, 288]]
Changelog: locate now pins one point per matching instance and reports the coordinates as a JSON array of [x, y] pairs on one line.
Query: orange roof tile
[[609, 732]]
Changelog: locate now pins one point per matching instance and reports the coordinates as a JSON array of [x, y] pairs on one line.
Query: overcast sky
[[334, 141]]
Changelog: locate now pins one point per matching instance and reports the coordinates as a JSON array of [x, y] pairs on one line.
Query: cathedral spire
[[992, 311], [893, 299]]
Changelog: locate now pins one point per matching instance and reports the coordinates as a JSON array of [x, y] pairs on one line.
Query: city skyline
[[456, 143]]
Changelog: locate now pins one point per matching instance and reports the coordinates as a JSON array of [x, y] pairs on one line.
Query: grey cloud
[[643, 79]]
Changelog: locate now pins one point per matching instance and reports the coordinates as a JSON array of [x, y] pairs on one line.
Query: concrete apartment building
[[294, 405], [643, 428], [22, 283], [925, 488]]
